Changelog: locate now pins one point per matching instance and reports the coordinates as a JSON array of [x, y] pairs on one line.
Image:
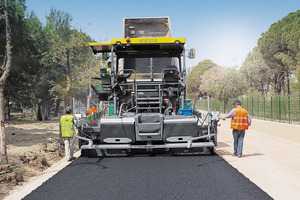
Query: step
[[149, 134], [146, 108], [147, 98], [147, 90], [147, 102]]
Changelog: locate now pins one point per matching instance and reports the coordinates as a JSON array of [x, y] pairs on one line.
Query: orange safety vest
[[240, 120], [91, 111]]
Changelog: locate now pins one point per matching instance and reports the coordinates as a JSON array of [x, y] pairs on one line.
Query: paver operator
[[92, 110], [240, 121], [66, 131], [108, 68]]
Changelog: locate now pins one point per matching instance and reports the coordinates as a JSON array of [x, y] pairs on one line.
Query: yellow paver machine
[[146, 88]]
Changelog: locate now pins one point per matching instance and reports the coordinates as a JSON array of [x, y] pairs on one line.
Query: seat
[[106, 84], [170, 74], [105, 77]]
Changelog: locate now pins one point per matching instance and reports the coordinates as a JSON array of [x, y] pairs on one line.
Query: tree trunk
[[267, 88], [89, 97], [283, 84], [46, 113], [8, 109], [278, 83], [57, 103], [38, 112], [3, 158], [225, 105], [69, 81]]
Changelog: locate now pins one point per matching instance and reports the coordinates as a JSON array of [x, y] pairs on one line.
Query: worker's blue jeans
[[238, 136]]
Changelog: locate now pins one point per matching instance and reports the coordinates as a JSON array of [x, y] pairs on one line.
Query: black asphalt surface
[[145, 177]]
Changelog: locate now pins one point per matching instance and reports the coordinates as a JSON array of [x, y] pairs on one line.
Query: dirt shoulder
[[32, 147], [271, 156]]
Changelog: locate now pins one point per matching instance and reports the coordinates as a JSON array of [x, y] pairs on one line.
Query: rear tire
[[88, 153], [211, 150]]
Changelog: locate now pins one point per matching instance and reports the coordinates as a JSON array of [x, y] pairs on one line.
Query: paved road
[[145, 177]]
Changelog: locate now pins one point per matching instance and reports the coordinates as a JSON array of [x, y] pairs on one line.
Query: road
[[145, 177]]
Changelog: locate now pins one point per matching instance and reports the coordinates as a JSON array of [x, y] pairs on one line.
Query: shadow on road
[[253, 154], [222, 152], [89, 161], [222, 144]]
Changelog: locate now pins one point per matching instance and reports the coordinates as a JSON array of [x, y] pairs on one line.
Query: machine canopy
[[141, 47]]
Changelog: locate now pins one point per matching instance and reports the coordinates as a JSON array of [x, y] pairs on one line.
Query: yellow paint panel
[[164, 40]]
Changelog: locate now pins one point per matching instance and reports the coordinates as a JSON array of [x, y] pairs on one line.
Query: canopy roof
[[142, 47]]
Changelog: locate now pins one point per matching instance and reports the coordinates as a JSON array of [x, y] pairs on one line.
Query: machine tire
[[211, 150], [216, 134], [88, 153]]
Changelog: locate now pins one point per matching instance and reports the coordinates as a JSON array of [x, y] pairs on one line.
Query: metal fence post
[[264, 108], [271, 109], [279, 109], [252, 106], [257, 107], [299, 108], [289, 107], [247, 103]]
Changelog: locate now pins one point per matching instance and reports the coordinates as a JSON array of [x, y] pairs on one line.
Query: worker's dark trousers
[[238, 136]]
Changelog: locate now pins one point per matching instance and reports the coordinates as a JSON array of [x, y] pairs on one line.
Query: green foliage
[[231, 85], [194, 78], [257, 73], [210, 80], [39, 72], [280, 49], [296, 81]]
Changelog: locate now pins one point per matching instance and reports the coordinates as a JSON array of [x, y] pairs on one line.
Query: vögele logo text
[[148, 40]]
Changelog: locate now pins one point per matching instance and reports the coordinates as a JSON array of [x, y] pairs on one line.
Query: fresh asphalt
[[148, 177]]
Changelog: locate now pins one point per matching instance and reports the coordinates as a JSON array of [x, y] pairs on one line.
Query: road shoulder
[[271, 156], [20, 192]]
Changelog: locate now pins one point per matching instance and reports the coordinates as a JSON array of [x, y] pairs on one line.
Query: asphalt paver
[[149, 177]]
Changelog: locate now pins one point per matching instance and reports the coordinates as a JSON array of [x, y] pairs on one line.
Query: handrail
[[124, 70]]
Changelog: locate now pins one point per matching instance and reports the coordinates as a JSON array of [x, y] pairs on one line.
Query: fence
[[277, 108]]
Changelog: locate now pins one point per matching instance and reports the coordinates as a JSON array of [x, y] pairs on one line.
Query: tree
[[210, 79], [257, 73], [42, 99], [68, 51], [6, 70], [39, 77], [231, 85], [194, 78], [296, 81], [280, 49]]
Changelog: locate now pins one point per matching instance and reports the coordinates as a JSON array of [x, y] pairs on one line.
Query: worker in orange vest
[[240, 121], [92, 110]]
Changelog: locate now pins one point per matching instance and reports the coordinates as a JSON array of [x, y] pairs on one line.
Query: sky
[[224, 31]]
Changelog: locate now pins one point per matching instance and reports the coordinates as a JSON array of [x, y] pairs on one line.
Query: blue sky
[[224, 31]]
